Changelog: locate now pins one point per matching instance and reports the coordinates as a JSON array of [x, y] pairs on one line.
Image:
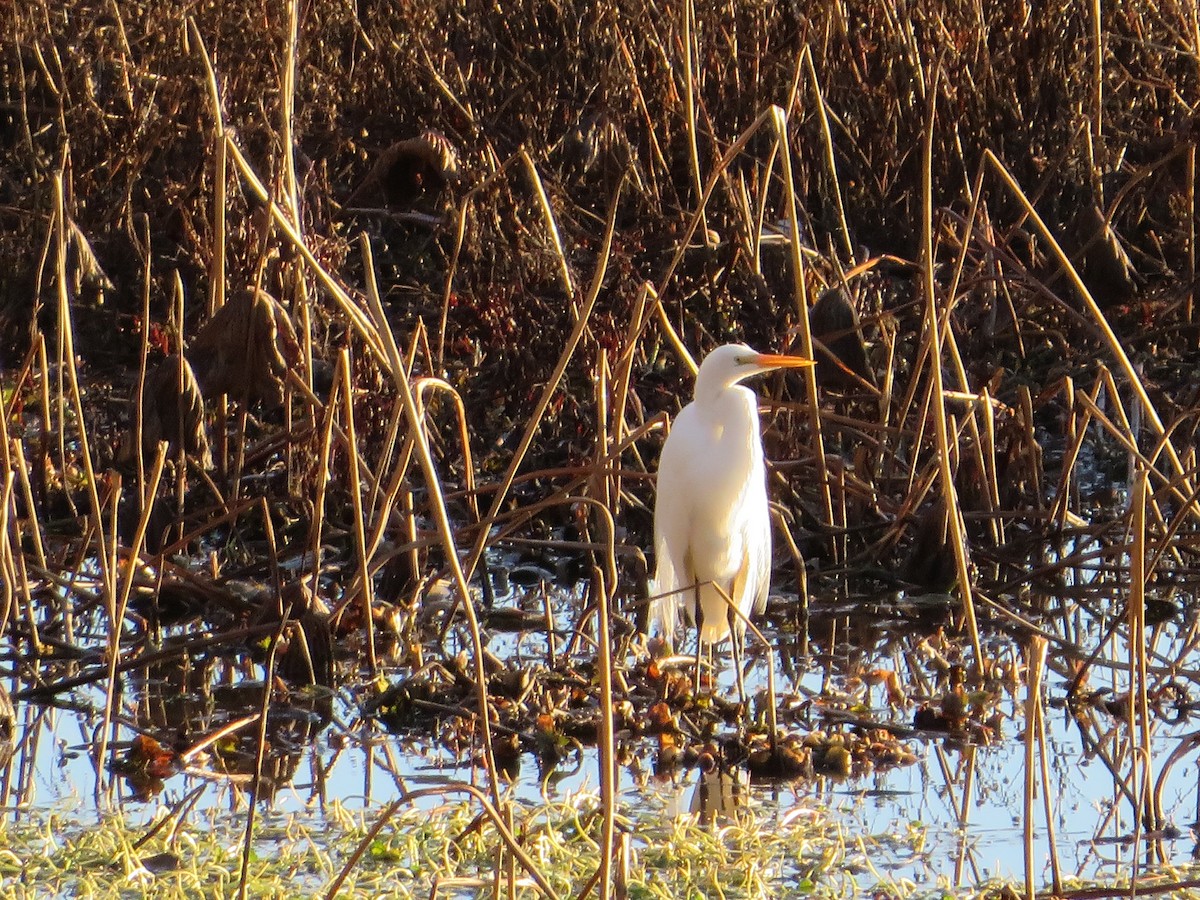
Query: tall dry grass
[[1005, 194]]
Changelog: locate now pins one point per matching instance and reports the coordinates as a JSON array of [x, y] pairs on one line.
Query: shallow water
[[954, 818]]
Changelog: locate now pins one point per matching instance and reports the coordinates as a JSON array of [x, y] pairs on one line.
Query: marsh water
[[952, 817]]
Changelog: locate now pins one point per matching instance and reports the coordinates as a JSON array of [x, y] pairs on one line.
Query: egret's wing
[[758, 560], [758, 553], [674, 508], [664, 608], [751, 542]]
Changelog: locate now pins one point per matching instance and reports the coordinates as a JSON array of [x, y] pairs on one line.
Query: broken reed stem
[[539, 190], [1048, 806], [428, 385], [69, 371], [1137, 707], [1034, 735], [602, 484], [216, 275], [139, 390], [8, 559], [322, 480], [260, 751], [509, 862], [1190, 194], [835, 186], [1140, 734], [991, 472], [118, 608], [181, 462], [447, 291], [548, 623], [607, 750], [933, 325], [399, 372], [1097, 117], [464, 209], [491, 811], [1044, 767], [357, 319], [217, 263], [551, 387], [8, 565], [1110, 338], [885, 458], [366, 583], [57, 237], [772, 722], [300, 299], [216, 270], [689, 109], [971, 763], [799, 285], [287, 105], [115, 618]]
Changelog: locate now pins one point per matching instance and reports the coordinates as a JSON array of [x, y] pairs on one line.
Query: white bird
[[712, 526]]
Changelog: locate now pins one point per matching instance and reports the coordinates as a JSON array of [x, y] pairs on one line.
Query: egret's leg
[[737, 641], [710, 659], [699, 617]]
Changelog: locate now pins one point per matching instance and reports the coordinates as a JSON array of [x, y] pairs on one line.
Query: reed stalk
[[441, 519], [956, 537], [366, 585], [1034, 738]]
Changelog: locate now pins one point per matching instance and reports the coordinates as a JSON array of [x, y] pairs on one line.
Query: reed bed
[[400, 292]]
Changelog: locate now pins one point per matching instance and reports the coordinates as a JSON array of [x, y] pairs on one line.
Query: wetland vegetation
[[338, 342]]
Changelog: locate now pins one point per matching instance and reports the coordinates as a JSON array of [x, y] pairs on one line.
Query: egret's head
[[729, 364]]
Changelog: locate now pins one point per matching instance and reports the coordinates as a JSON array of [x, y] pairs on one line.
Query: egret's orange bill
[[771, 361]]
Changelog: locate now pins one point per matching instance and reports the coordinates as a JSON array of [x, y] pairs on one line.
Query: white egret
[[712, 526]]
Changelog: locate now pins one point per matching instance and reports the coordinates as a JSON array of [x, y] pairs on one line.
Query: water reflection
[[954, 816], [718, 796]]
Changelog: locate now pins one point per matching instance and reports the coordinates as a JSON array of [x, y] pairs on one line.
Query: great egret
[[712, 526]]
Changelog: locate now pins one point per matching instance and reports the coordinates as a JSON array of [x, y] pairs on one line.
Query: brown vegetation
[[474, 239]]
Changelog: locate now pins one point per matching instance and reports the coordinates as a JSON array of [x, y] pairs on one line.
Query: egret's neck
[[710, 390]]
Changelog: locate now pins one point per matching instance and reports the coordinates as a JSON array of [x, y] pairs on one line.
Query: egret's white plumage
[[712, 526]]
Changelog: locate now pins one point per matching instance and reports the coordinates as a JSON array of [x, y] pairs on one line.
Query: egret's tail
[[664, 607], [718, 617]]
